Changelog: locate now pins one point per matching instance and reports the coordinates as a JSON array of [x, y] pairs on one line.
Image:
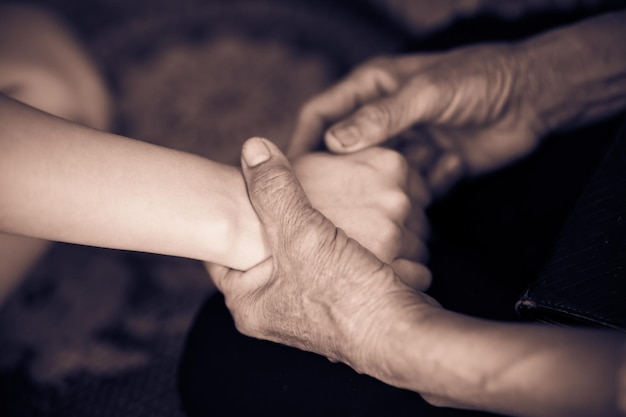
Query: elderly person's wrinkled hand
[[320, 291], [465, 105], [474, 109]]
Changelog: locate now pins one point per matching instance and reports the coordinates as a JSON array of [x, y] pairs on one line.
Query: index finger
[[340, 100]]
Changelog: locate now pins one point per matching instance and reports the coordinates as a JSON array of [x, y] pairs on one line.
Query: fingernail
[[345, 135], [255, 152]]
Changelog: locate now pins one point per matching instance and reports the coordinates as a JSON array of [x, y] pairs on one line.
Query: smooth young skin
[[42, 65], [477, 108], [377, 200], [325, 293], [64, 181]]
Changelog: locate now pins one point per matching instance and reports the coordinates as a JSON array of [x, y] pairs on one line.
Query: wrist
[[443, 356], [249, 243], [227, 230], [246, 241], [402, 356], [517, 369], [574, 75]]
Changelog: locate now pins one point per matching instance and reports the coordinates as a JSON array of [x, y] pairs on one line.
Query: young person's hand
[[377, 200], [323, 292]]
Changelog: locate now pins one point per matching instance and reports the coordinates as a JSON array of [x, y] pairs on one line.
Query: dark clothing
[[491, 238]]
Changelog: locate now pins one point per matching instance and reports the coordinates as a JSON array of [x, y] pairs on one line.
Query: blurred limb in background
[[42, 65]]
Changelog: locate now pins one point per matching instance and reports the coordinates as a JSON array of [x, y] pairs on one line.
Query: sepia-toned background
[[95, 332]]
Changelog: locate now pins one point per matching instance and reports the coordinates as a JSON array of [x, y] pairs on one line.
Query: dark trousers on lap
[[491, 239]]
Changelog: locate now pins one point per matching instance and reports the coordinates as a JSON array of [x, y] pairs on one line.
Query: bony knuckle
[[377, 75], [399, 164]]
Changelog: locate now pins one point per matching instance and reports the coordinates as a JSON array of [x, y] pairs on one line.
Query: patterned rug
[[99, 332]]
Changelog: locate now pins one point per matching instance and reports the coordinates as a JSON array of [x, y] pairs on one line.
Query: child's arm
[[62, 181]]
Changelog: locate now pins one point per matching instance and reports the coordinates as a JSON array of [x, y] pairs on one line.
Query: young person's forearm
[[516, 369], [64, 182], [576, 75]]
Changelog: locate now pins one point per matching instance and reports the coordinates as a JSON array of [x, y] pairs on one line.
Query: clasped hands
[[346, 260], [322, 290]]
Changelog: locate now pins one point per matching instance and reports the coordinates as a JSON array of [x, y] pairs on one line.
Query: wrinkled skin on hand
[[377, 200], [321, 291], [467, 109]]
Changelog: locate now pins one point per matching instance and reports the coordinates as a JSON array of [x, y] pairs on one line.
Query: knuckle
[[389, 243], [393, 163], [397, 204], [398, 163], [391, 234], [379, 72]]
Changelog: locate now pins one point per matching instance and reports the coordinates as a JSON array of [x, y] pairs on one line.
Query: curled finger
[[413, 274], [376, 122], [417, 224], [446, 173], [418, 189], [413, 247], [358, 88]]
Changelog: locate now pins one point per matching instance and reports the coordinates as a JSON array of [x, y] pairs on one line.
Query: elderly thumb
[[273, 189], [419, 102], [372, 124]]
